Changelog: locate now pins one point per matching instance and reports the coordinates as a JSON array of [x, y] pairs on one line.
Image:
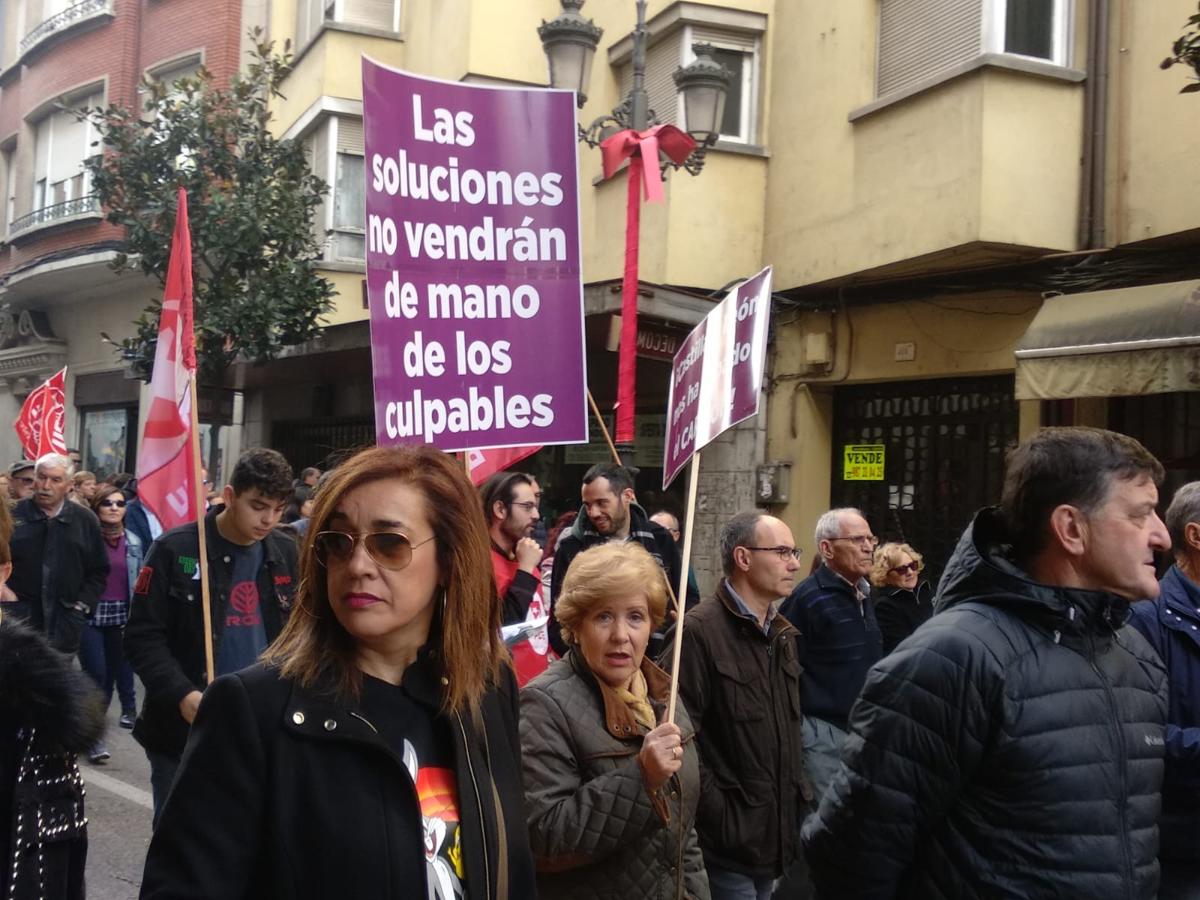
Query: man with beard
[[60, 563], [610, 513], [510, 508]]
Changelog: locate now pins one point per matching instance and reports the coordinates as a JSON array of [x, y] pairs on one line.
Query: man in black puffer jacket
[[1013, 746]]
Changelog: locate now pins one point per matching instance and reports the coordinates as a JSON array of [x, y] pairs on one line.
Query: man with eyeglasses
[[839, 637], [510, 508], [739, 679], [252, 579]]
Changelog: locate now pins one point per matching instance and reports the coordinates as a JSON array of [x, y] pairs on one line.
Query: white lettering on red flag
[[166, 472], [41, 424]]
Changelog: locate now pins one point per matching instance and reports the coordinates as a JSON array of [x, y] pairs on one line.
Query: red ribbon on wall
[[637, 147]]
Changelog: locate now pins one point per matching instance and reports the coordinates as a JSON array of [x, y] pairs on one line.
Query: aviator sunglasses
[[389, 549]]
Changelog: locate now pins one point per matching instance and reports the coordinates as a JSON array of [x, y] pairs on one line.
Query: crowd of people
[[421, 691]]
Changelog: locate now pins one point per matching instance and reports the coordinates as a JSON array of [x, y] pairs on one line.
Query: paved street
[[118, 811]]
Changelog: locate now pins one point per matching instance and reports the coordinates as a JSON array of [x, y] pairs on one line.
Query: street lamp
[[570, 42]]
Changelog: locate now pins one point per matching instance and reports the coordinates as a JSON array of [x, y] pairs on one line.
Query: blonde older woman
[[610, 793], [902, 601]]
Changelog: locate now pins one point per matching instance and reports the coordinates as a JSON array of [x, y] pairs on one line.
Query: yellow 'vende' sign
[[862, 462]]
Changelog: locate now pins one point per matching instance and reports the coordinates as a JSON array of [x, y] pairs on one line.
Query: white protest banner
[[716, 378]]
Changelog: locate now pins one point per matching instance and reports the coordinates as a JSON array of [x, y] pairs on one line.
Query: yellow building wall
[[1155, 130], [928, 173], [959, 336], [1031, 144]]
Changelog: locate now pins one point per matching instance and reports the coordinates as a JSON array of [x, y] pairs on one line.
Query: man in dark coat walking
[[1172, 626], [1013, 746], [739, 679], [60, 562]]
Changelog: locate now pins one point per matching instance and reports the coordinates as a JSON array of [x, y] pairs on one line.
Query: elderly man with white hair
[[60, 564], [839, 637]]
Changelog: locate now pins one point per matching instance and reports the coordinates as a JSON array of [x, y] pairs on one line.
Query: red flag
[[40, 426], [166, 471], [483, 464]]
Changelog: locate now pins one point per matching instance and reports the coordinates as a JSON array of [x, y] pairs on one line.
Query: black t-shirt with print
[[423, 740]]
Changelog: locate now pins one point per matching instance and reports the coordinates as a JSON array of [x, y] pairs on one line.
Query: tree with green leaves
[[1186, 52], [251, 202]]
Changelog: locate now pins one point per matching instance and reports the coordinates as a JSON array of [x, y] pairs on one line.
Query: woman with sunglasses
[[100, 651], [902, 601], [373, 753]]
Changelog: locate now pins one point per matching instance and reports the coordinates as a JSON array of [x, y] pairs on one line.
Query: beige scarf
[[636, 697]]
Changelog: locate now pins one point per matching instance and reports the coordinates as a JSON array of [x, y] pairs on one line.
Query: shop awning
[[1119, 343]]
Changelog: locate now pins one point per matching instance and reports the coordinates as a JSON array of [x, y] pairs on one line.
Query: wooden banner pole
[[690, 516], [202, 562], [612, 448]]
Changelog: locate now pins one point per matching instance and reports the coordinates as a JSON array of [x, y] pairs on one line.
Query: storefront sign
[[862, 462], [716, 378], [473, 263], [654, 341]]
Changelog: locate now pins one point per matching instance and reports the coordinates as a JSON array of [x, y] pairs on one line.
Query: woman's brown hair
[[314, 647]]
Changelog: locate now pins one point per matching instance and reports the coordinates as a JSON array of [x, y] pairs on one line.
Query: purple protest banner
[[716, 377], [474, 277]]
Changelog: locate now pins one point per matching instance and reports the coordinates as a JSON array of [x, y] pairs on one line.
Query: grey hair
[[1184, 508], [830, 524], [738, 532], [58, 461]]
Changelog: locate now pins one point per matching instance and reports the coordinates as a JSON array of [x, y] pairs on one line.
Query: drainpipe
[[1092, 231]]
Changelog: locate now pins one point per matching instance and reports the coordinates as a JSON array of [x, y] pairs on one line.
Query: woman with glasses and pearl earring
[[373, 752], [902, 601]]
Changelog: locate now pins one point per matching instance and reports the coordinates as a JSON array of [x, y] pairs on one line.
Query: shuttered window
[[737, 52], [348, 186], [919, 39], [61, 144], [337, 159], [380, 15]]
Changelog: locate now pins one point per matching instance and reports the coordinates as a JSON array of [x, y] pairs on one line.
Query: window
[[1038, 29], [106, 446], [62, 143], [737, 51], [739, 54], [336, 154], [377, 15], [922, 39], [10, 186]]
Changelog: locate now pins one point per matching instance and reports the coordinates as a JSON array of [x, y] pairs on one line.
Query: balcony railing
[[47, 214], [72, 15]]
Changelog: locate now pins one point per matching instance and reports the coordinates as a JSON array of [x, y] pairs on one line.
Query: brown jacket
[[742, 688], [595, 831]]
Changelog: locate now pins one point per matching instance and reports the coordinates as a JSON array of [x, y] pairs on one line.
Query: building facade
[[950, 192], [930, 180], [58, 294]]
